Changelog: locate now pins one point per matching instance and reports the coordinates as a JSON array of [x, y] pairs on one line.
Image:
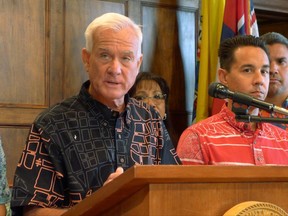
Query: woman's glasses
[[154, 97]]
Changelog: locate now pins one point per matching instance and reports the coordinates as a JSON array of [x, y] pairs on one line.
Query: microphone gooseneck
[[218, 90]]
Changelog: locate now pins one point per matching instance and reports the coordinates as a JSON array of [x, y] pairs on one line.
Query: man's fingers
[[112, 176], [119, 170]]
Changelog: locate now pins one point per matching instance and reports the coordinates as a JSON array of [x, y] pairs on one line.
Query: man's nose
[[115, 66], [259, 78], [274, 68]]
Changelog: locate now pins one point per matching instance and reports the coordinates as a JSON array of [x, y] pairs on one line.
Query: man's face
[[249, 72], [112, 65], [278, 70]]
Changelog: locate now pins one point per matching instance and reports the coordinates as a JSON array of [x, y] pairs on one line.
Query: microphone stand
[[251, 118], [241, 114]]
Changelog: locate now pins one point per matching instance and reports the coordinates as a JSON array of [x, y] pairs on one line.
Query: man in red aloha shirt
[[220, 139]]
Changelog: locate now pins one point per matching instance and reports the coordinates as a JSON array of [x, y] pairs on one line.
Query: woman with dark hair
[[153, 90]]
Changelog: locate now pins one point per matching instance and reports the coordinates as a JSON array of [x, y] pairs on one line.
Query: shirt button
[[122, 160]]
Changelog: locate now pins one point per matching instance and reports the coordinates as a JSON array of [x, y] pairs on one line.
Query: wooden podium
[[186, 190]]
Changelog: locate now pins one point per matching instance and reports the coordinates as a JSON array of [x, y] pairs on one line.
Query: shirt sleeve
[[189, 148], [36, 181], [4, 188]]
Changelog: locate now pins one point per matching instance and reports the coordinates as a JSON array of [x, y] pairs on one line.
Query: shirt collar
[[229, 117], [94, 105]]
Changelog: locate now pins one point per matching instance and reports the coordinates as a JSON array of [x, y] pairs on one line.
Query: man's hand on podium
[[112, 176]]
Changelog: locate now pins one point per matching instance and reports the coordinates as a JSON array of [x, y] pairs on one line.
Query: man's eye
[[247, 70], [127, 59], [283, 61], [104, 56]]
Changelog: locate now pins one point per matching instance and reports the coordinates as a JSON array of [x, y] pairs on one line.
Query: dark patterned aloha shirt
[[277, 115], [74, 146]]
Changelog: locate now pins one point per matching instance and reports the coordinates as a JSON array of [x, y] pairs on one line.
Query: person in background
[[154, 90], [86, 141], [277, 45], [221, 139], [4, 188]]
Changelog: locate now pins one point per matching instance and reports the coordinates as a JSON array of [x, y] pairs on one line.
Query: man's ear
[[222, 76], [139, 62], [85, 58]]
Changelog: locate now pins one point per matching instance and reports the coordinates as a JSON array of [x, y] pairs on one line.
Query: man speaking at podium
[[88, 140], [221, 139]]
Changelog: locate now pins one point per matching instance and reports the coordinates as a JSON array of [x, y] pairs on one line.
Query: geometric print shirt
[[221, 140], [75, 145]]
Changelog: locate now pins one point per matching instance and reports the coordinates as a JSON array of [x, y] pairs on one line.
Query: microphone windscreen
[[212, 89], [218, 90]]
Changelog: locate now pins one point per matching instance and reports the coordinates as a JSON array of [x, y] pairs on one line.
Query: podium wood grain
[[186, 190]]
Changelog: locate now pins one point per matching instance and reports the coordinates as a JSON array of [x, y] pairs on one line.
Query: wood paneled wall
[[24, 75], [40, 63], [272, 16], [40, 50]]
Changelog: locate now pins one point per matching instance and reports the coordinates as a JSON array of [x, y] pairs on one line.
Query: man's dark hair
[[271, 38], [228, 47]]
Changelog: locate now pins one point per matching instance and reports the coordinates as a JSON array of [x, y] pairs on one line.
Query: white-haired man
[[88, 140]]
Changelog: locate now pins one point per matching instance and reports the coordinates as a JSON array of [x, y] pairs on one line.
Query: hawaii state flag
[[237, 17]]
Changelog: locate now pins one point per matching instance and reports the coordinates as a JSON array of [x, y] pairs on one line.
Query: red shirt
[[221, 140]]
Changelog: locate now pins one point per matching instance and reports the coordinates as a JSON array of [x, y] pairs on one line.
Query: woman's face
[[150, 92]]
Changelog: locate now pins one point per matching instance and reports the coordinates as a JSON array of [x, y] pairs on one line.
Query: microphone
[[218, 90]]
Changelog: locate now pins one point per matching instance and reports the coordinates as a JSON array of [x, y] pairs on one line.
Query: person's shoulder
[[136, 104], [208, 122], [196, 130], [143, 109], [275, 130], [58, 109]]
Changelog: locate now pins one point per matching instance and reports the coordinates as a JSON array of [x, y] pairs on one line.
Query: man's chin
[[274, 85], [273, 90], [115, 96]]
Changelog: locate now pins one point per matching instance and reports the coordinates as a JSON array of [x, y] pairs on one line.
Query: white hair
[[111, 21]]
